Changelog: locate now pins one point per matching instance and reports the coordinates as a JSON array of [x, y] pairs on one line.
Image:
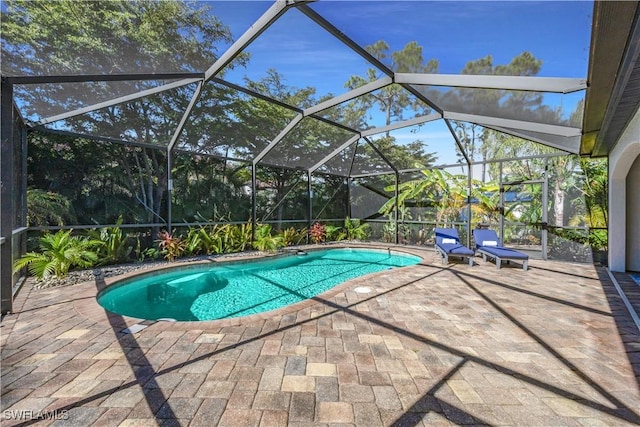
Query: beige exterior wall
[[624, 207], [633, 217]]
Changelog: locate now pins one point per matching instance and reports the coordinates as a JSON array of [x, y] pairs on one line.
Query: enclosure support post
[[254, 212], [501, 206], [310, 195], [169, 189], [544, 236], [397, 206], [469, 185], [348, 182], [7, 197]]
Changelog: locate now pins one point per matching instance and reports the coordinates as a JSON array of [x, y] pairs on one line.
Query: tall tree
[[142, 36], [494, 102], [392, 100]]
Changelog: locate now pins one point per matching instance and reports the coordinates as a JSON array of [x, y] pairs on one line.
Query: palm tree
[[59, 252]]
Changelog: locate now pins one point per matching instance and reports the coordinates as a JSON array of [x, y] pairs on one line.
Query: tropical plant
[[193, 241], [355, 230], [210, 240], [446, 192], [236, 237], [59, 253], [334, 233], [291, 236], [318, 233], [171, 246], [116, 246], [265, 241]]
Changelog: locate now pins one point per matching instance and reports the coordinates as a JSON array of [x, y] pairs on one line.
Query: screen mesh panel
[[151, 119], [368, 195], [447, 35], [207, 189], [378, 108], [312, 57], [340, 164], [230, 123], [43, 101], [281, 196], [139, 36], [330, 197], [306, 144], [102, 181]]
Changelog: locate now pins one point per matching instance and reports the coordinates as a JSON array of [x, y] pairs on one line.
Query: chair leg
[[525, 265], [471, 261], [498, 260]]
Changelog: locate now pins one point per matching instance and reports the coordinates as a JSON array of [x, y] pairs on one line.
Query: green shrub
[[58, 253], [354, 230], [334, 233], [194, 243], [116, 246], [265, 241], [291, 236]]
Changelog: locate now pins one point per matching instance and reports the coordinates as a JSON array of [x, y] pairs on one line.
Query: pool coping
[[87, 305]]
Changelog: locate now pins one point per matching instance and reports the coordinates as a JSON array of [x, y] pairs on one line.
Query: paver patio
[[432, 344]]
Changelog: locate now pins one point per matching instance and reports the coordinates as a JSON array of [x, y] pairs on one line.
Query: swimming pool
[[234, 289]]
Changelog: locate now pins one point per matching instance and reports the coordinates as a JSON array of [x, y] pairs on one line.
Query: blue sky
[[453, 32]]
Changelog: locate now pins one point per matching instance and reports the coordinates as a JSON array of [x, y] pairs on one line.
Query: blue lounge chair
[[448, 244], [488, 244]]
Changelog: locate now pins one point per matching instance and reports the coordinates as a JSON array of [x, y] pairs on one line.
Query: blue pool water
[[207, 292]]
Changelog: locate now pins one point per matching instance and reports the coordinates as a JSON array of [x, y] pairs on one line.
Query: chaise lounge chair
[[448, 244], [488, 244]]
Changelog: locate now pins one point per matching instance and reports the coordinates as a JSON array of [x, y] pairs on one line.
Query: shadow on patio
[[432, 345]]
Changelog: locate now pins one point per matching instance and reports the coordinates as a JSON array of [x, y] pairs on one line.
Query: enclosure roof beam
[[264, 22], [334, 153], [403, 124], [573, 145], [136, 144], [381, 154], [87, 78], [268, 18], [116, 101], [313, 15], [524, 83], [185, 116], [101, 138], [362, 90], [515, 124], [278, 138], [367, 175], [458, 142], [442, 166], [255, 94]]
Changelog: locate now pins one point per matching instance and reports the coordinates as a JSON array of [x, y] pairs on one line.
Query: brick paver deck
[[432, 344]]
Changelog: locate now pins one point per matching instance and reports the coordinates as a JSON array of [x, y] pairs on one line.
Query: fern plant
[[58, 253]]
